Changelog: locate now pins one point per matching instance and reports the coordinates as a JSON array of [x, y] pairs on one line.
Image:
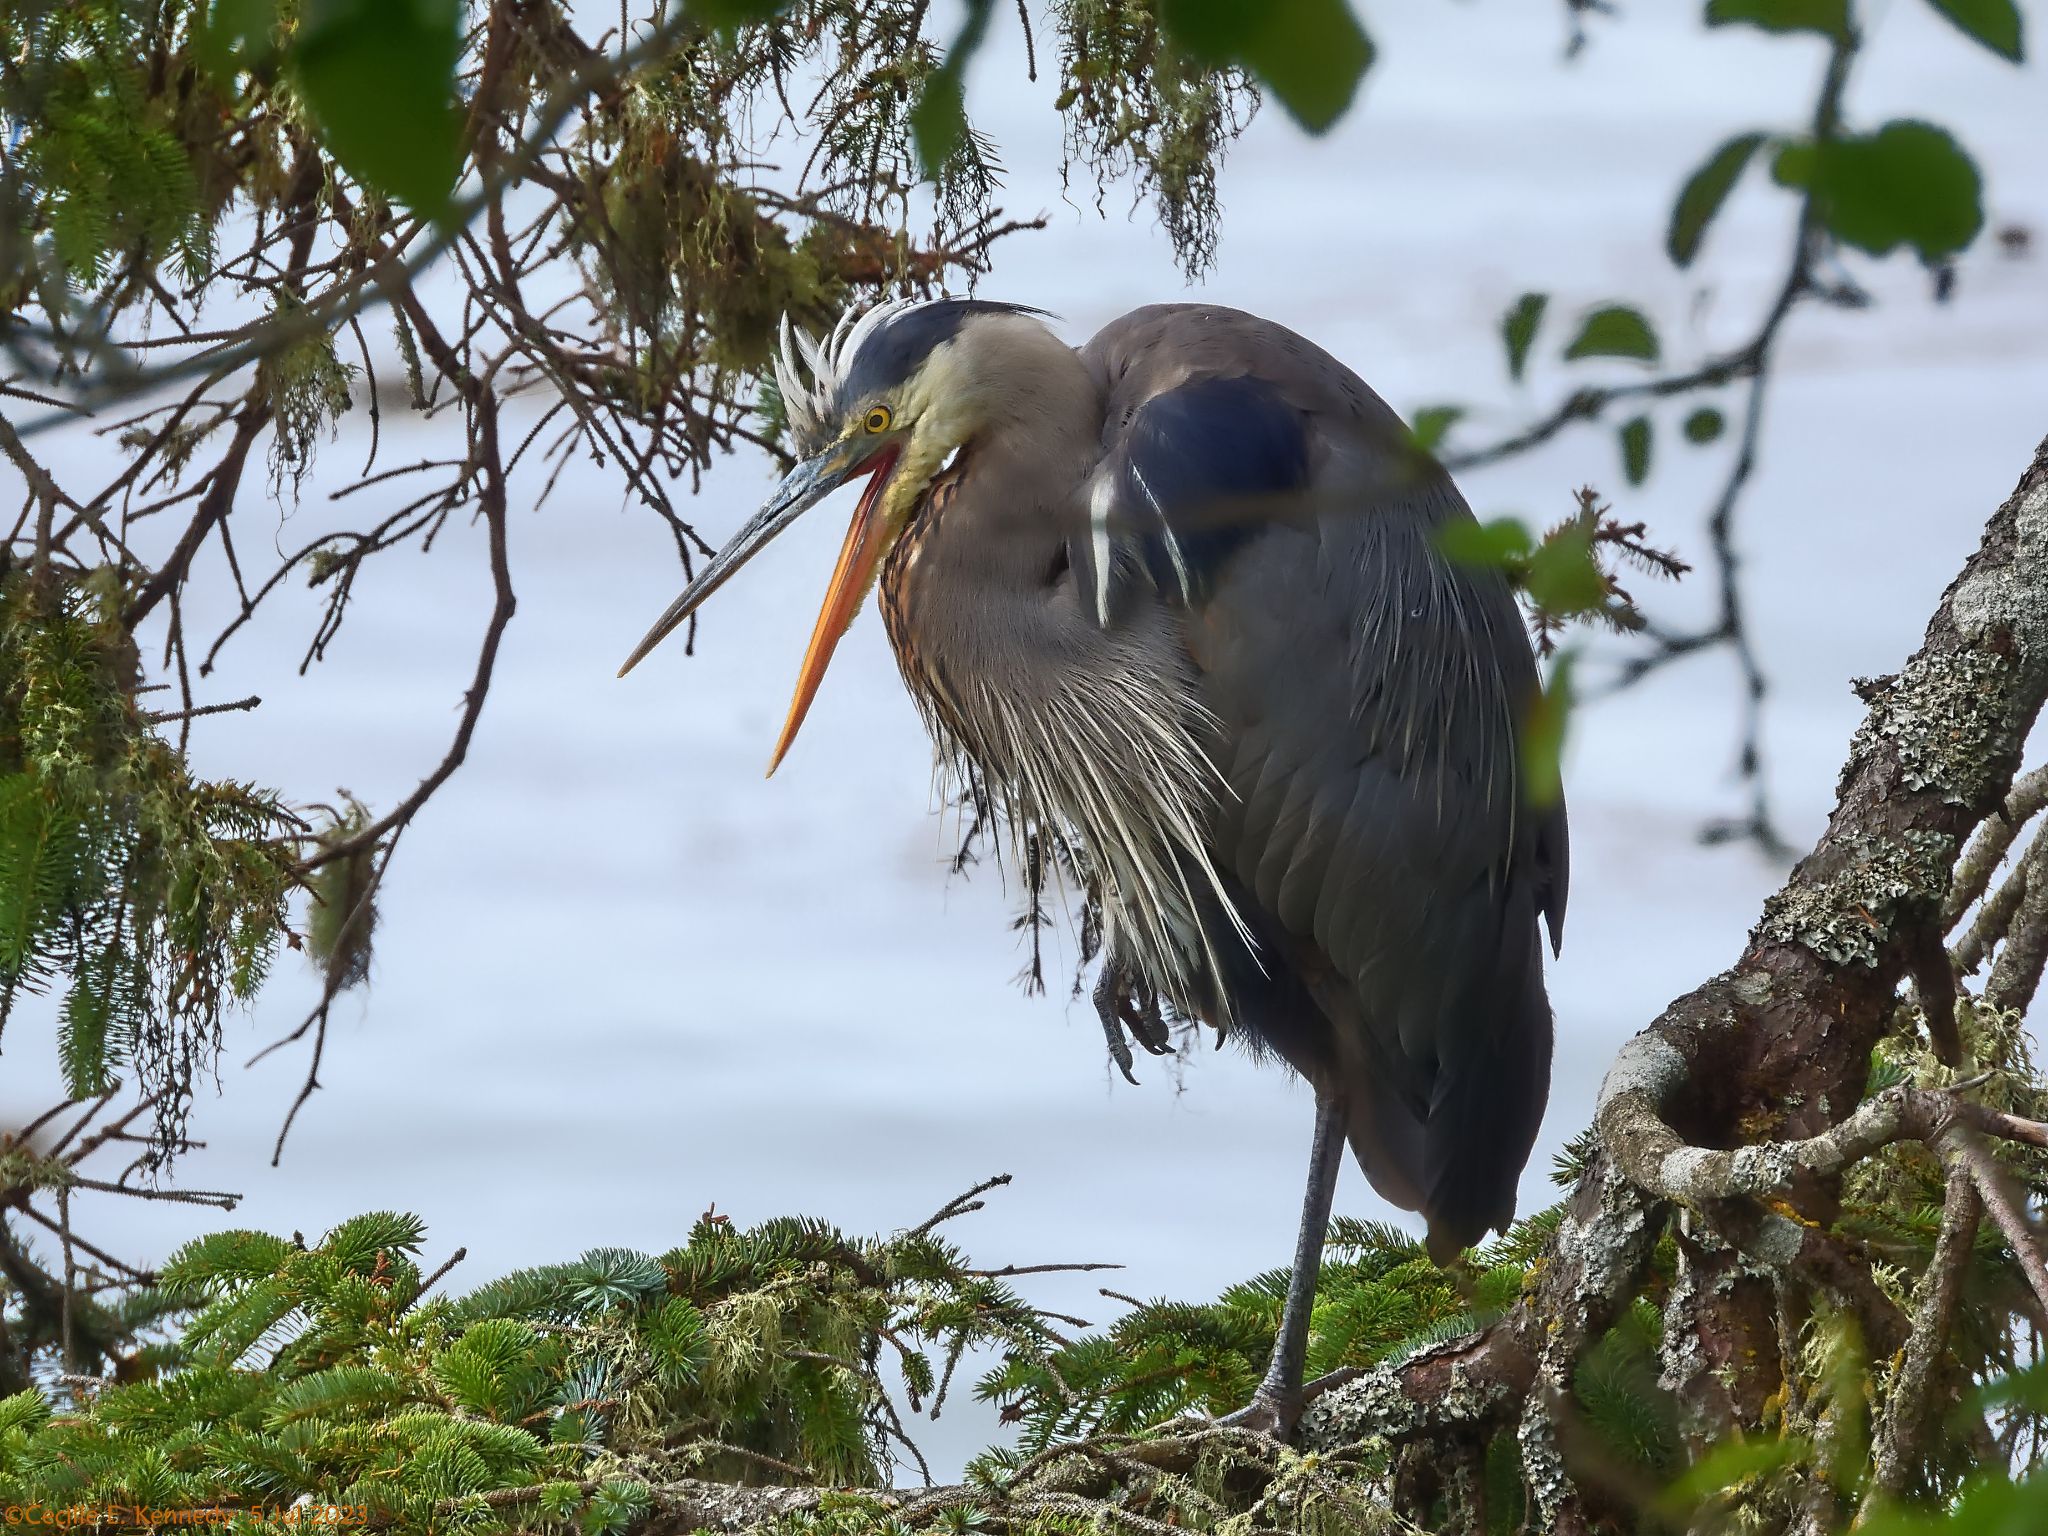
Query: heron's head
[[889, 395]]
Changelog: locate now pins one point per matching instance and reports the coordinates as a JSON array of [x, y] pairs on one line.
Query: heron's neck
[[1018, 394], [967, 590]]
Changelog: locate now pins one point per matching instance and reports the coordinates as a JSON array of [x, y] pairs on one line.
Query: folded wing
[[1368, 693]]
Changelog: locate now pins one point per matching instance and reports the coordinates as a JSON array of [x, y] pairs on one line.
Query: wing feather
[[1368, 693]]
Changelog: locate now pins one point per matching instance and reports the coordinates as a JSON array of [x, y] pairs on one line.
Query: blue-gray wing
[[1368, 693], [1185, 484]]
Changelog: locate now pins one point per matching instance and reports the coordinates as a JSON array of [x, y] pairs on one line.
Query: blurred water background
[[621, 978]]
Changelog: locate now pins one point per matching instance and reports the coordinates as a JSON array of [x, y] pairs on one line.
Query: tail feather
[[1488, 1103], [1389, 1141], [1448, 1138]]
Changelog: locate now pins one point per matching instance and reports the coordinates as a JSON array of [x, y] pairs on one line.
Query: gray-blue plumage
[[1191, 473], [1366, 693]]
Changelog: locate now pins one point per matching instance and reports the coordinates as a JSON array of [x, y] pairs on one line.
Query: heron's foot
[[1126, 1003], [1273, 1411]]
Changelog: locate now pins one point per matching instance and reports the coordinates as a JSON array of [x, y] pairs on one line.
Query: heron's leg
[[1277, 1403]]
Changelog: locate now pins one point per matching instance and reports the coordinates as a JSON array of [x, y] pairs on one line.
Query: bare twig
[[1989, 847], [158, 717], [1969, 1152], [503, 604], [959, 1205], [1909, 1400], [2017, 971], [1749, 364], [1995, 913], [435, 1278]]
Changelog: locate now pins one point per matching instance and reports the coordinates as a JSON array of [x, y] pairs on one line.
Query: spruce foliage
[[153, 898], [748, 1355], [1379, 1297], [109, 172], [580, 1394]]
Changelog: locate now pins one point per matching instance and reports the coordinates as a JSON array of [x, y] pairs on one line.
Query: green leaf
[[1909, 183], [938, 122], [724, 15], [1994, 23], [1990, 1504], [1563, 577], [938, 119], [1311, 54], [1432, 423], [1543, 734], [379, 76], [1704, 425], [1728, 1464], [1502, 544], [1703, 194], [1518, 329], [233, 34], [1830, 18], [1635, 449], [2026, 1389], [1615, 331]]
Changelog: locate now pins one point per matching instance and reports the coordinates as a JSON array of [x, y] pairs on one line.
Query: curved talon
[[1147, 1024], [1112, 1032], [1126, 1003]]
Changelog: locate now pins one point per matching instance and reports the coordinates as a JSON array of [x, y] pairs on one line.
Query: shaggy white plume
[[808, 372]]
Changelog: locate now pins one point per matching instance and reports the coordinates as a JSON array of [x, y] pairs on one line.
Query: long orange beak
[[860, 558]]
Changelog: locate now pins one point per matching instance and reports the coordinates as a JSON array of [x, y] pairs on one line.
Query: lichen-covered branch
[[1994, 840], [1907, 1401]]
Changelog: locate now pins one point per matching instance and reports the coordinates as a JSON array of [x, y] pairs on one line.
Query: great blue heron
[[1177, 600]]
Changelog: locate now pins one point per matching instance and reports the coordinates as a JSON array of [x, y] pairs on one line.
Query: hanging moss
[[151, 899]]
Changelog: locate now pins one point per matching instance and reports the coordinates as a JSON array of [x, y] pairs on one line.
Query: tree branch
[[1907, 1402]]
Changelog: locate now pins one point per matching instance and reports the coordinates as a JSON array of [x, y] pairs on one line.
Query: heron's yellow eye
[[878, 419]]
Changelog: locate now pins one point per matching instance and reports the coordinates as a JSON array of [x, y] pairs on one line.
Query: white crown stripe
[[814, 355], [809, 373], [839, 331]]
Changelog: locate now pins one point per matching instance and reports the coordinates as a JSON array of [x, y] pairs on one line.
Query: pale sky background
[[620, 976]]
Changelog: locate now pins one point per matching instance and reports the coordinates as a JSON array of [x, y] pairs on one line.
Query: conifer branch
[[960, 1205], [200, 711], [1996, 912], [439, 1274]]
